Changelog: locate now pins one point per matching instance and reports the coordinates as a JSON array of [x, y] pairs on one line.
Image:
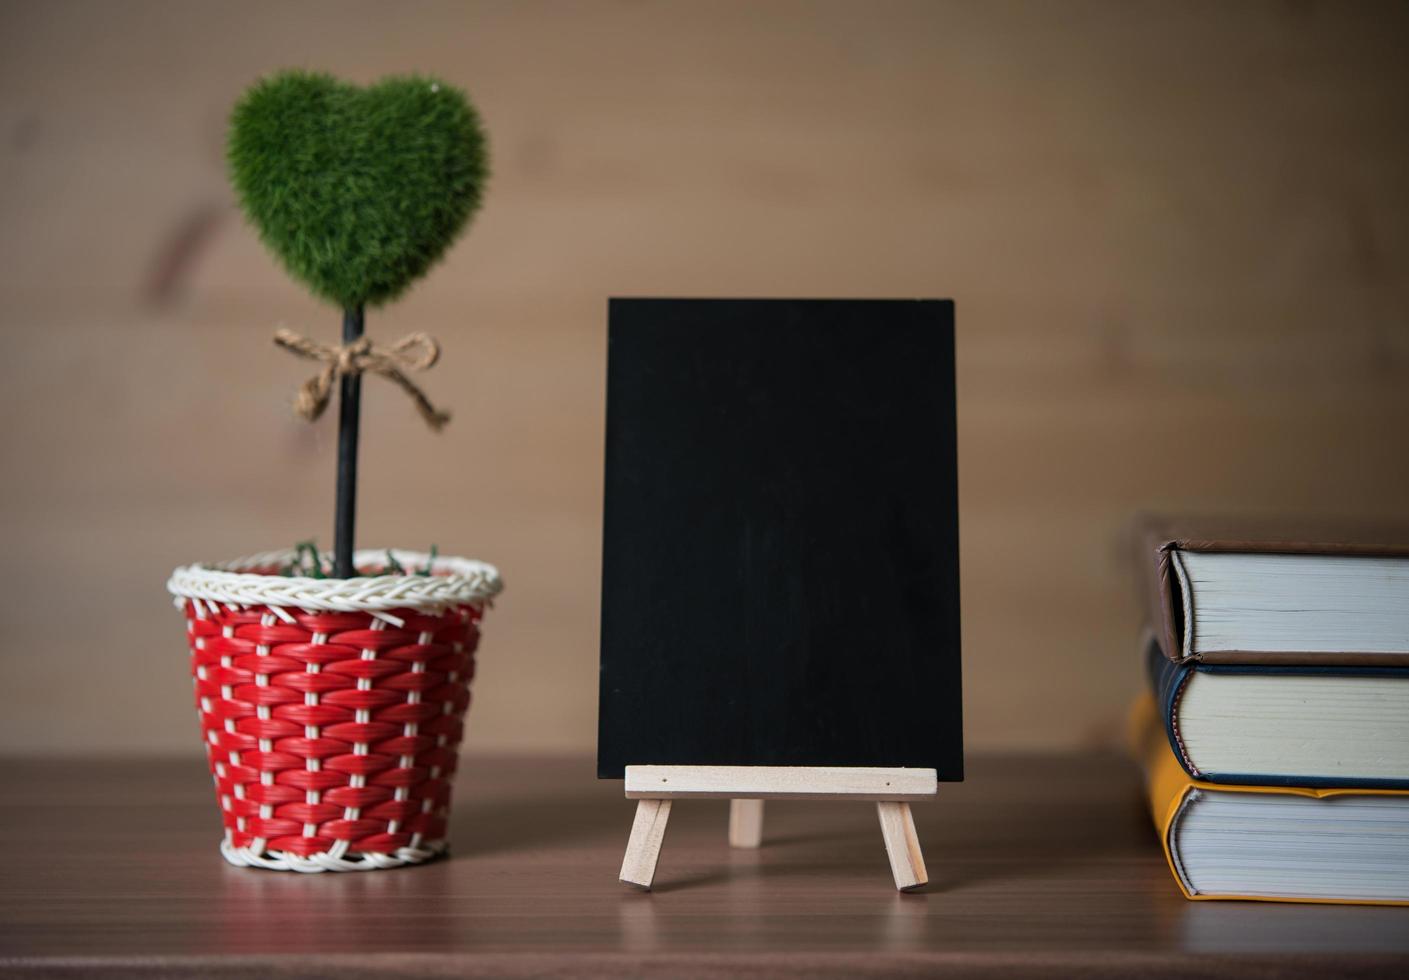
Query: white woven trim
[[455, 582], [248, 857]]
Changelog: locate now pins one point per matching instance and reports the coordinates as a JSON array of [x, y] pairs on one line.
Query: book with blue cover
[[1284, 725]]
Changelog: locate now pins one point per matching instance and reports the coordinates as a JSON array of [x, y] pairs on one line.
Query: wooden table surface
[[1038, 865]]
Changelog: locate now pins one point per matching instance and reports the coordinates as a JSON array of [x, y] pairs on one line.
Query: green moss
[[358, 191], [305, 563], [308, 562]]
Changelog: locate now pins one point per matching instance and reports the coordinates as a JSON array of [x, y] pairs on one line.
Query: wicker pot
[[331, 709]]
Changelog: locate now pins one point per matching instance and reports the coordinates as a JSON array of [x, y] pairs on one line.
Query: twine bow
[[414, 352]]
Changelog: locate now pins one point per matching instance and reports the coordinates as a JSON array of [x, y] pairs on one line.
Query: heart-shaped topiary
[[358, 191]]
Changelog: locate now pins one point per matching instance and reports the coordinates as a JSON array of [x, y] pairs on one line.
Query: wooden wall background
[[1178, 235]]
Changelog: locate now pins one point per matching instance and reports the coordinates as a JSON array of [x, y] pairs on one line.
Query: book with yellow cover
[[1272, 843]]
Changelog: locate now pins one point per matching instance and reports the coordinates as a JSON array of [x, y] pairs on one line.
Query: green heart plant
[[358, 192]]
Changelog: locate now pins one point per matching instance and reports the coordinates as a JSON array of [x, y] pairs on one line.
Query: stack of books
[[1275, 735]]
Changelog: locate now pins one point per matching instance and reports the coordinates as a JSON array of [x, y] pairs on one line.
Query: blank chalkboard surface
[[781, 567]]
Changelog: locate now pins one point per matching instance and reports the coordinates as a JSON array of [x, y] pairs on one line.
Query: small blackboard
[[780, 579]]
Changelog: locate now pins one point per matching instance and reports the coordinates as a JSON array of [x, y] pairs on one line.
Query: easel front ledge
[[892, 790]]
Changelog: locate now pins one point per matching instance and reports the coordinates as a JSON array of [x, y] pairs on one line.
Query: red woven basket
[[332, 718]]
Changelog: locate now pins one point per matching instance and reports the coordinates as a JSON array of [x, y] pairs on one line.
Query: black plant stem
[[349, 416]]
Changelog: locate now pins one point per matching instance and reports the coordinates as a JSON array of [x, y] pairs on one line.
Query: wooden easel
[[746, 787]]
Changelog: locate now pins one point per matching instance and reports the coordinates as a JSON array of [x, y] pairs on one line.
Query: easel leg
[[745, 823], [907, 862], [643, 849]]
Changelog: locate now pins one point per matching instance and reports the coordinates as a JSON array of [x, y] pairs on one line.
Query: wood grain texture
[[1044, 866], [779, 782], [745, 823], [907, 860], [648, 829], [1177, 233]]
